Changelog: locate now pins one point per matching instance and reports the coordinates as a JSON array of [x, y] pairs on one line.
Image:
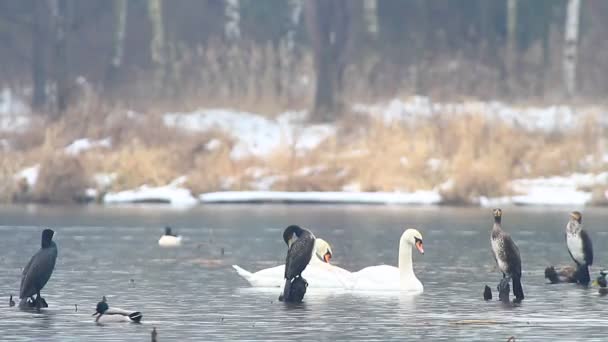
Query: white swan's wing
[[269, 277], [381, 277], [322, 275]]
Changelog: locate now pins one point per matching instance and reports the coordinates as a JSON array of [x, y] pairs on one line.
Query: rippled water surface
[[192, 293]]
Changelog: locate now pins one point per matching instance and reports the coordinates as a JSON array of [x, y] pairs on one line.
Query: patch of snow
[[434, 164], [13, 112], [254, 134], [104, 180], [413, 198], [213, 145], [548, 119], [311, 170], [266, 183], [81, 145], [558, 190], [5, 145], [352, 187], [493, 202], [172, 194], [30, 174]]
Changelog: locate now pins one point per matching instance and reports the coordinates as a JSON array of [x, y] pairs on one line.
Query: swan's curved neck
[[406, 271]]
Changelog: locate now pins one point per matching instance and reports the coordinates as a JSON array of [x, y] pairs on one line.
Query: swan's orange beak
[[327, 257], [420, 247]]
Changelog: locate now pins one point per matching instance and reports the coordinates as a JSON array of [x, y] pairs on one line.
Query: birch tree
[[370, 8], [571, 46], [232, 26]]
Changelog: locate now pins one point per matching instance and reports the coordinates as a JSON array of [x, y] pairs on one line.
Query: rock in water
[[487, 293], [504, 290], [296, 292]]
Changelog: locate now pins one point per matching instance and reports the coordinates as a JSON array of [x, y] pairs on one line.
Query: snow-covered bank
[[574, 190], [414, 198], [254, 134], [172, 193], [546, 119]]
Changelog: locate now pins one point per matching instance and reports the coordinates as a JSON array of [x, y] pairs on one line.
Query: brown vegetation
[[477, 155]]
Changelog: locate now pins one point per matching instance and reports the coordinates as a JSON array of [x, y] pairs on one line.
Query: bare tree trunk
[[571, 46], [370, 8], [289, 60], [232, 26], [157, 45], [59, 10], [511, 53], [39, 54], [330, 28], [118, 42]]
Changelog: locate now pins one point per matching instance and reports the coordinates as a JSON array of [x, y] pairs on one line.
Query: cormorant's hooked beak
[[291, 240], [327, 257], [420, 246]]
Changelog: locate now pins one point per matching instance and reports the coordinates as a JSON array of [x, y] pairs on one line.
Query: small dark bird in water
[[154, 334], [487, 293], [566, 274], [300, 245], [75, 307], [38, 271], [222, 251], [506, 255], [168, 231], [11, 302], [580, 247], [602, 283]]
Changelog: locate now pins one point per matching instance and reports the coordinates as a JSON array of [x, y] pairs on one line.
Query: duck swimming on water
[[37, 272], [169, 239], [506, 255], [580, 247], [300, 244], [106, 314]]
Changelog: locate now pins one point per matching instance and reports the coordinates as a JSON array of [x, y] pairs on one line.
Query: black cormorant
[[300, 245], [38, 271]]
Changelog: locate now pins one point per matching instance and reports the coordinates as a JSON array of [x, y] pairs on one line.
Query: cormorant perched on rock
[[579, 247], [38, 272], [506, 255], [300, 243]]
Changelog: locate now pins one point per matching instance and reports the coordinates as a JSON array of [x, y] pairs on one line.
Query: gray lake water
[[192, 293]]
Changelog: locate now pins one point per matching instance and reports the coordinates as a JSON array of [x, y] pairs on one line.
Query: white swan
[[319, 273], [169, 239], [106, 314], [384, 277]]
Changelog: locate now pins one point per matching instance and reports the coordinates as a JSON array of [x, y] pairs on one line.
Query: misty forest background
[[87, 67], [272, 51]]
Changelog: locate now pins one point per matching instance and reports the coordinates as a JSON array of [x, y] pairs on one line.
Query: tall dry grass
[[477, 155]]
